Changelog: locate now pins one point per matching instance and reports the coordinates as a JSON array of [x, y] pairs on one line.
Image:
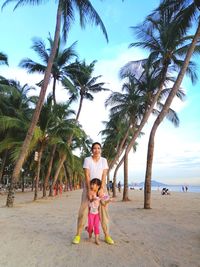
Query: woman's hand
[[91, 195], [100, 192]]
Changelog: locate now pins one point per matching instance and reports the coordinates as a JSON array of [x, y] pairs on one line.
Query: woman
[[94, 167]]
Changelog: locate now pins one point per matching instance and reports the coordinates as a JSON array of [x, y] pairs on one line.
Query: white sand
[[39, 233]]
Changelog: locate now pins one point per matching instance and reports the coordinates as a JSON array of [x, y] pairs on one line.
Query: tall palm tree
[[81, 84], [65, 14], [66, 150], [15, 116], [185, 11], [60, 65], [130, 105], [115, 137]]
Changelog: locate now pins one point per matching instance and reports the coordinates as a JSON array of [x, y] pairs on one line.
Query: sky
[[177, 150]]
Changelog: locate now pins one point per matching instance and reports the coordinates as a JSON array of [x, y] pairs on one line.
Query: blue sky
[[177, 150]]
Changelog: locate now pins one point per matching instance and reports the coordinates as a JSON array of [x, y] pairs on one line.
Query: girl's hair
[[97, 182], [96, 143]]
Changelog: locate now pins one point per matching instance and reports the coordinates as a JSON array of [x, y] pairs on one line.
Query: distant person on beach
[[165, 191], [183, 188], [55, 189], [94, 166], [110, 186], [186, 188], [119, 186]]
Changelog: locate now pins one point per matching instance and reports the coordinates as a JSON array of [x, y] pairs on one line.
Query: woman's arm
[[87, 181], [103, 179]]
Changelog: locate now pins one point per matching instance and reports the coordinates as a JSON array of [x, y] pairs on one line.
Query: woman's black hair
[[96, 143]]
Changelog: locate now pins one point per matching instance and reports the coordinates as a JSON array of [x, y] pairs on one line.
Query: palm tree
[[15, 116], [185, 12], [81, 84], [114, 136], [129, 105], [165, 55], [66, 14], [60, 64]]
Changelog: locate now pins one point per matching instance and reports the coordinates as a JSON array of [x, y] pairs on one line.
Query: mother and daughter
[[94, 197]]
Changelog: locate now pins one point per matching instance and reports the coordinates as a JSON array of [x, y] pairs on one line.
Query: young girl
[[93, 214]]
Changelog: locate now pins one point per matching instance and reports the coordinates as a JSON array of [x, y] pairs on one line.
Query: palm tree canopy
[[81, 82], [61, 60], [3, 59], [85, 9], [187, 11]]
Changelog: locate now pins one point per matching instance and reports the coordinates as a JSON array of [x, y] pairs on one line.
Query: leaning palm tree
[[66, 150], [130, 105], [65, 14], [60, 65], [185, 11]]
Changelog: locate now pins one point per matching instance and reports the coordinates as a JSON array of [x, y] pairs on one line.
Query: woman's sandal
[[76, 239], [109, 240]]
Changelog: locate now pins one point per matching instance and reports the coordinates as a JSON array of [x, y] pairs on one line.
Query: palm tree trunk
[[49, 170], [120, 149], [68, 176], [79, 108], [162, 115], [3, 165], [38, 171], [54, 91], [108, 178], [115, 177], [60, 164], [125, 192], [36, 114], [23, 182], [76, 119]]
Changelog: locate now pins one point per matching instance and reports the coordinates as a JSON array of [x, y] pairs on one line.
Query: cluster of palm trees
[[149, 86]]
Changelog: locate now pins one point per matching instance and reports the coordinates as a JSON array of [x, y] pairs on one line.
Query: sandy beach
[[39, 233]]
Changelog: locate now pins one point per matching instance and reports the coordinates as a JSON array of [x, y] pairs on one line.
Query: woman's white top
[[96, 168]]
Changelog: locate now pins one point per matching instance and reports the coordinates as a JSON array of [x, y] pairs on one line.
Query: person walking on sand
[[94, 166], [119, 186]]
